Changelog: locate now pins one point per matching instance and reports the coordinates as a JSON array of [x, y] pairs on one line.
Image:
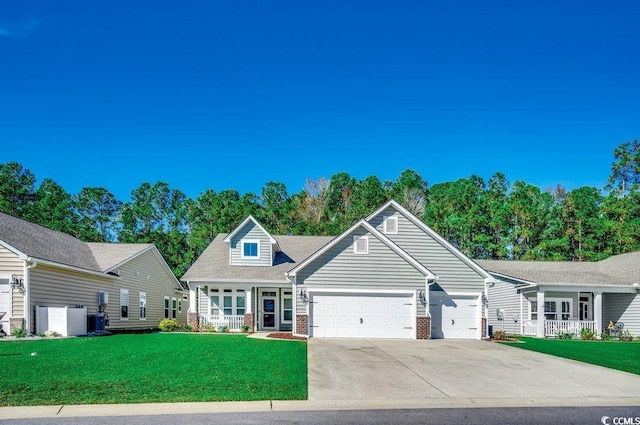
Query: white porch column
[[248, 303], [192, 300], [521, 315], [540, 321], [597, 310]]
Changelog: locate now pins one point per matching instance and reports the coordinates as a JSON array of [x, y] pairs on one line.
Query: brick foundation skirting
[[484, 327], [302, 324], [193, 320], [249, 321], [423, 327]]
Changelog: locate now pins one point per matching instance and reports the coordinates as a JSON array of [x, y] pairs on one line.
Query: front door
[[584, 310], [269, 312]]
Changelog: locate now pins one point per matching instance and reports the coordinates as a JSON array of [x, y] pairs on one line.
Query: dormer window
[[361, 244], [390, 225], [251, 249]]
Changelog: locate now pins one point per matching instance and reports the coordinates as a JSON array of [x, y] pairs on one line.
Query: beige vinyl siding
[[10, 264], [503, 295], [623, 308], [253, 232], [56, 287], [340, 267], [453, 273]]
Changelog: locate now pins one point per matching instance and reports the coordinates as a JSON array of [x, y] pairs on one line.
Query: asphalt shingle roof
[[213, 264], [42, 243], [621, 269]]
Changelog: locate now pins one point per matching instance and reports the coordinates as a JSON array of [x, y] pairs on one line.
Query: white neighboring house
[[544, 298], [388, 276], [47, 268]]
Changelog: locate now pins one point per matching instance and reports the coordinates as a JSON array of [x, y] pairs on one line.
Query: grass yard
[[623, 356], [151, 368]]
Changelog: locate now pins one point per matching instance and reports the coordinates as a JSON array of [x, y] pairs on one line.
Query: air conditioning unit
[[103, 297]]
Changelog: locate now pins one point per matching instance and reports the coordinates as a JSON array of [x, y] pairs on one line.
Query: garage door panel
[[362, 316], [454, 316]]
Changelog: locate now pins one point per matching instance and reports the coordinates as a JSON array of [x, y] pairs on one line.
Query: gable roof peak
[[244, 223]]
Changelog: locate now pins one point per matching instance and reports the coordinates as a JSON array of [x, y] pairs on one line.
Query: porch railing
[[232, 322], [555, 327]]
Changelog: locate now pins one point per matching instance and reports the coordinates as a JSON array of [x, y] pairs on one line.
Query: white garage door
[[361, 316], [5, 303], [454, 316]]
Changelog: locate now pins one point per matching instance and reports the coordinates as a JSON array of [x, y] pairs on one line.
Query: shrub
[[223, 329], [605, 336], [587, 334], [169, 325], [626, 336], [245, 328], [500, 335], [207, 327], [187, 328], [19, 332], [564, 335]]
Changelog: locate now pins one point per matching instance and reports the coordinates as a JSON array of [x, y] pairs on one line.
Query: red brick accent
[[193, 320], [423, 327], [484, 327], [302, 324], [248, 320]]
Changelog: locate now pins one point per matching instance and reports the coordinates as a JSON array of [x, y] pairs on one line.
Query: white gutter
[[27, 293]]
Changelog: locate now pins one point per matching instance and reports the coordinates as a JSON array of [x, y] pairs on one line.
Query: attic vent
[[390, 225], [361, 244]]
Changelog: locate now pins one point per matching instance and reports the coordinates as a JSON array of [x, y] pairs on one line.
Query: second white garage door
[[361, 316], [454, 316]]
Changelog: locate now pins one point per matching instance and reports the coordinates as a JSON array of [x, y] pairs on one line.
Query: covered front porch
[[552, 310], [232, 306]]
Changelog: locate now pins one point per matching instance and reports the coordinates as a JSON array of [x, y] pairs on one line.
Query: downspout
[[27, 293], [488, 283]]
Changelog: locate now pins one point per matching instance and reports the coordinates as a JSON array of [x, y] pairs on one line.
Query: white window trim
[[166, 308], [282, 310], [142, 296], [174, 308], [244, 241], [124, 292], [355, 244], [385, 220], [234, 294], [558, 311]]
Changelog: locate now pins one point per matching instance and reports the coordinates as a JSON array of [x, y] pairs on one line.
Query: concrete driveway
[[374, 369]]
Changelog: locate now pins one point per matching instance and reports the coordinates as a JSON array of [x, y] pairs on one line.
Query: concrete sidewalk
[[152, 409]]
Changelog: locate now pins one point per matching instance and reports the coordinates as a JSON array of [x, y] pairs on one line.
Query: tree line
[[493, 219]]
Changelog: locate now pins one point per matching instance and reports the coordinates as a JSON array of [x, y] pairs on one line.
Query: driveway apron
[[362, 369]]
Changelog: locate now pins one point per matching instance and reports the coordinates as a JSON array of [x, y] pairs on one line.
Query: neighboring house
[[388, 276], [543, 298], [44, 267]]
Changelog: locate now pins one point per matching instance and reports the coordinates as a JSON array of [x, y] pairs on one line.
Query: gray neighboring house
[[388, 276], [543, 298], [47, 268]]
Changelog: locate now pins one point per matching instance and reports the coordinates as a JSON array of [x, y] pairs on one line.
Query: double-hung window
[[250, 248], [166, 307], [174, 307], [287, 307], [554, 309], [232, 302], [143, 306], [124, 304]]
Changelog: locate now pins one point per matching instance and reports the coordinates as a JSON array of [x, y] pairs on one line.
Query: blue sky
[[211, 94]]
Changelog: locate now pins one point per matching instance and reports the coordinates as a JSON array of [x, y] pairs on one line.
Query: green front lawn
[[623, 356], [151, 368]]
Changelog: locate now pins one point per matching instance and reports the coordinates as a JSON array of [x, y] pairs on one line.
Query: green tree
[[625, 169], [98, 211], [583, 225], [53, 208], [16, 189]]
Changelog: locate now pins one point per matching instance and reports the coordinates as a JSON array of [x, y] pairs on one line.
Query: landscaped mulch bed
[[286, 335]]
